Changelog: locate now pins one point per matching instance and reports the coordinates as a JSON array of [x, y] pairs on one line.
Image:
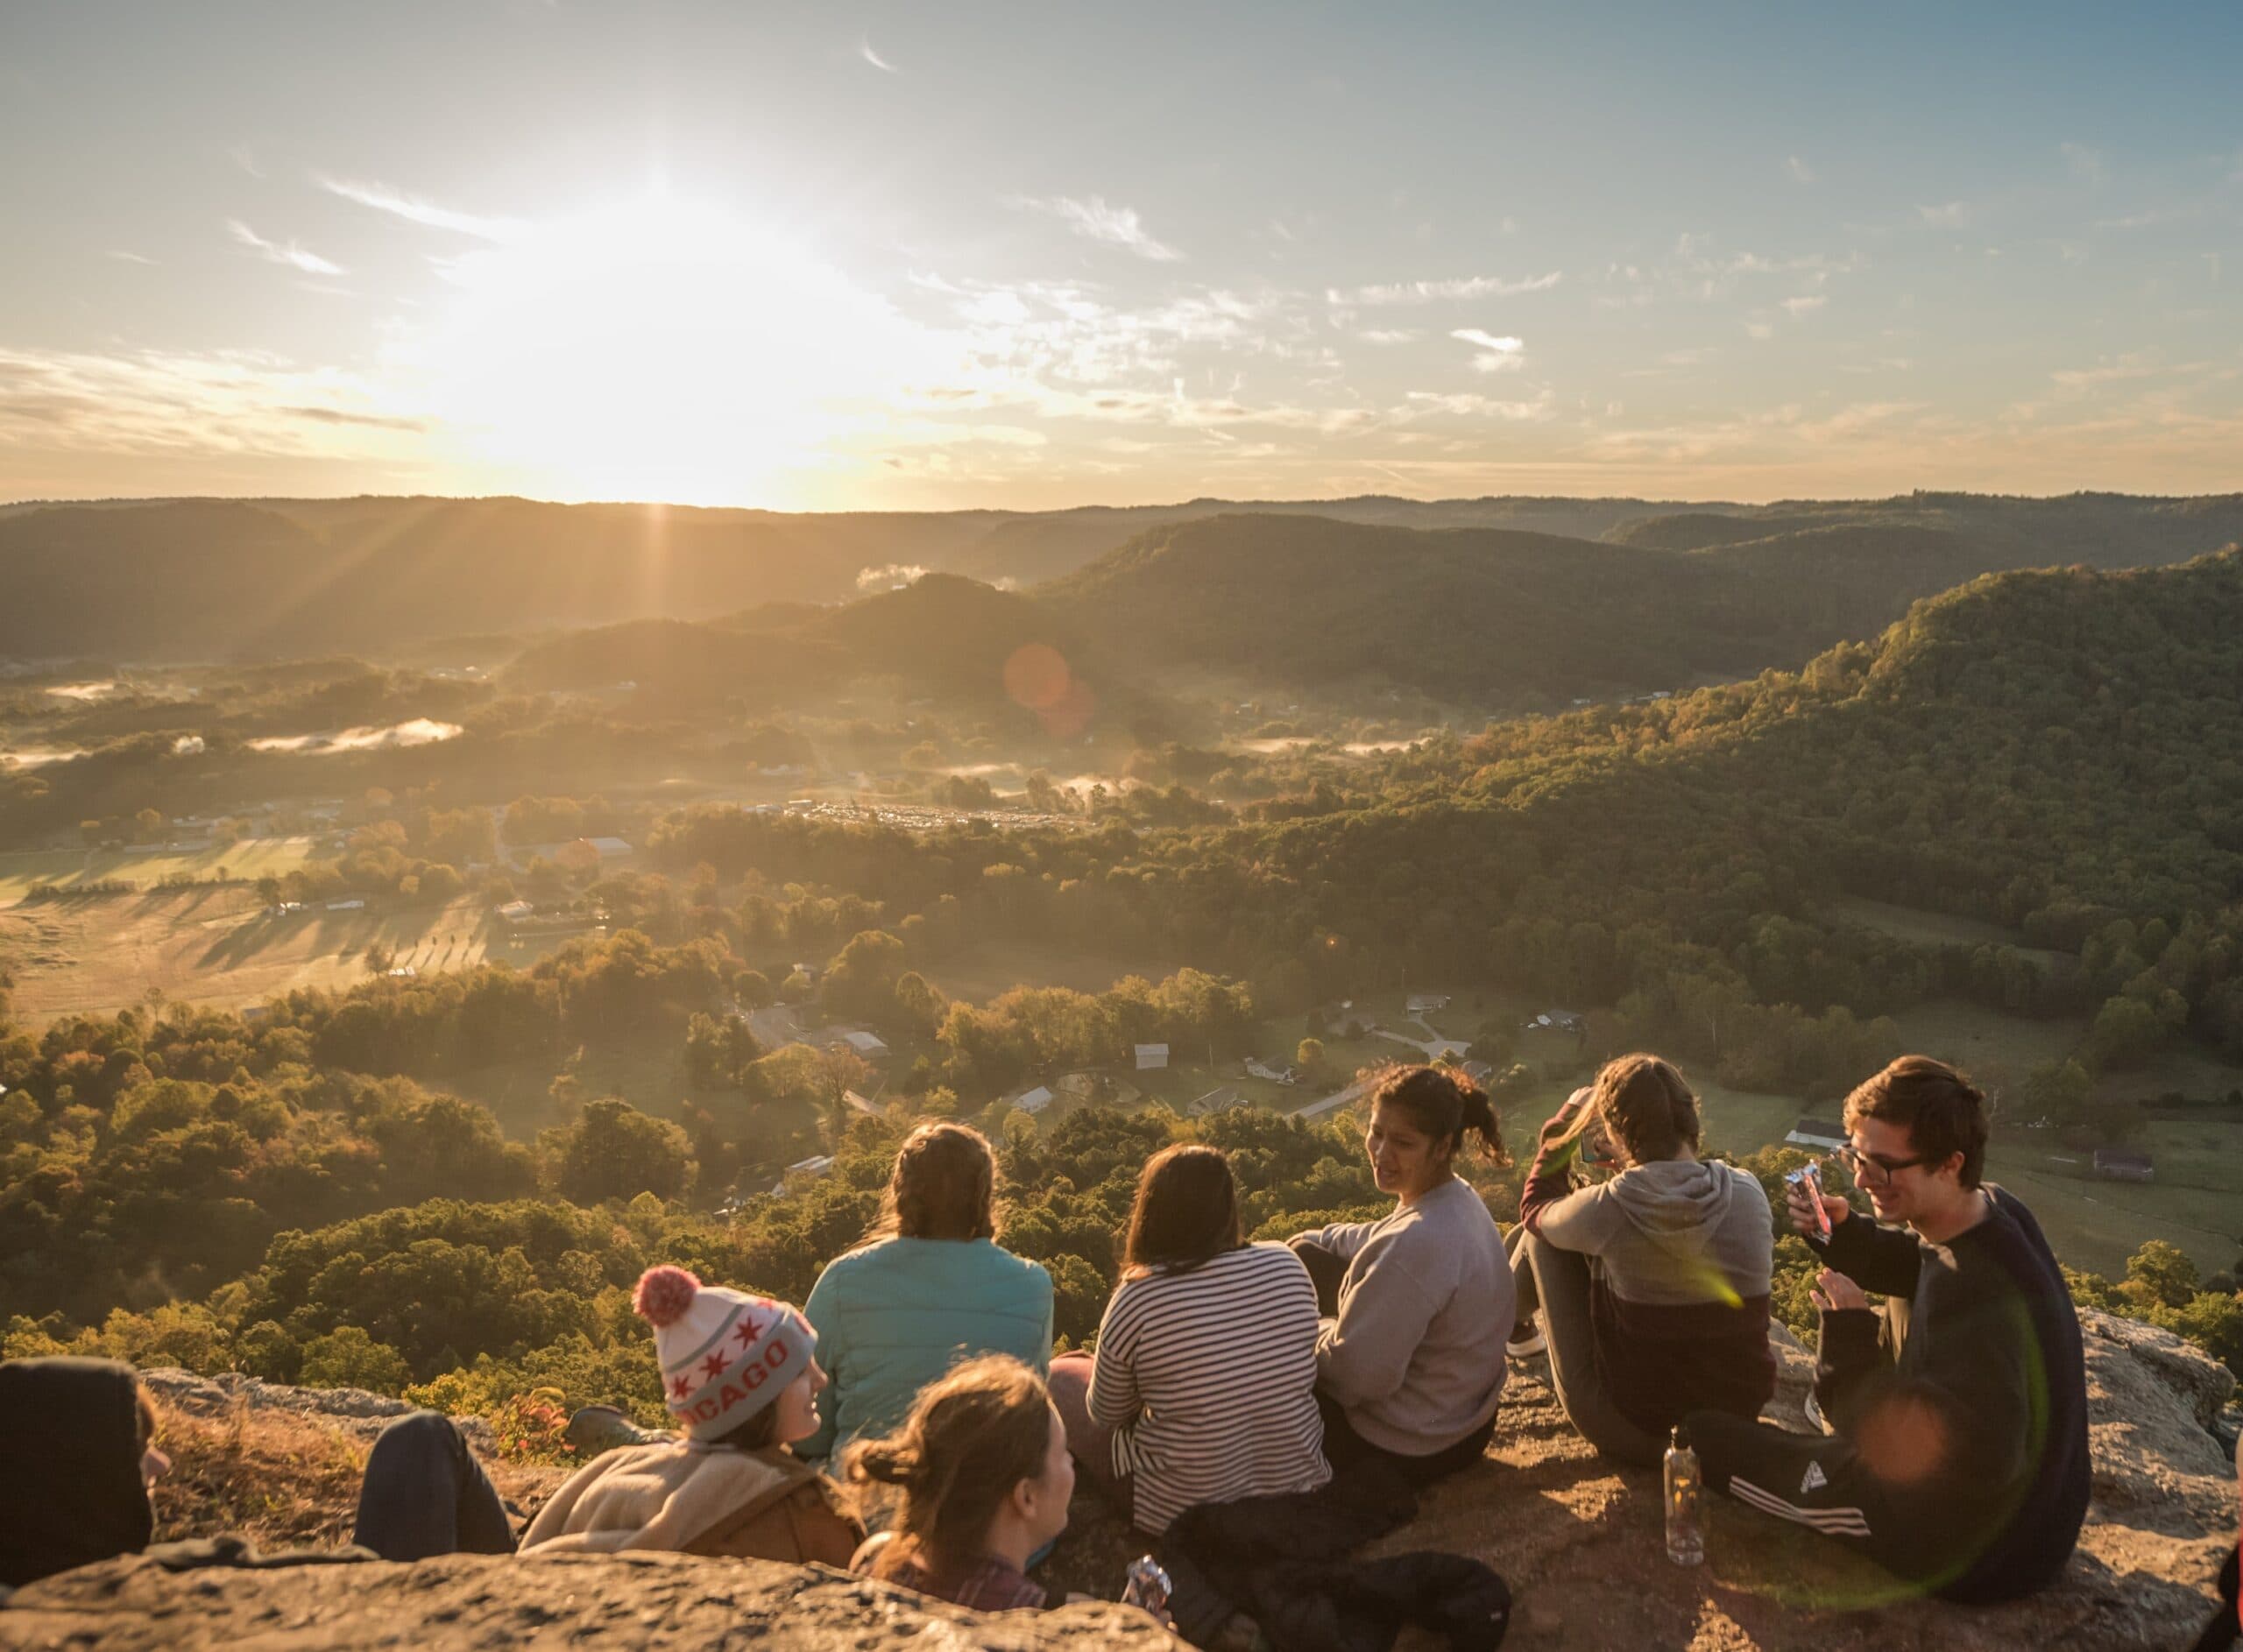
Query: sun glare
[[657, 349]]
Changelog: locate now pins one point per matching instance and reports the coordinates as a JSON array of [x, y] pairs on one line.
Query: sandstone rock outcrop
[[1577, 1540], [650, 1602]]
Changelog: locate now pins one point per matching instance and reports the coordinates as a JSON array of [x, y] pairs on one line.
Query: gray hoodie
[[1671, 1232]]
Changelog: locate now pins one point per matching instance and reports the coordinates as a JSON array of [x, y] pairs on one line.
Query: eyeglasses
[[1860, 1163]]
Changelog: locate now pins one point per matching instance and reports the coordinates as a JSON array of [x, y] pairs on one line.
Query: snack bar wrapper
[[1809, 1179], [1147, 1587]]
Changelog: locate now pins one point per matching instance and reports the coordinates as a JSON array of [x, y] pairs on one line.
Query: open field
[[2195, 1203], [649, 1074], [218, 944], [981, 972], [248, 860], [1939, 928]]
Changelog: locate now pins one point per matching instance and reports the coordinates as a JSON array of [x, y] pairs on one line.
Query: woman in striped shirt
[[1203, 1387]]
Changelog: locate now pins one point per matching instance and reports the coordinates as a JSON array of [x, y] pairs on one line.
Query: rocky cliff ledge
[[648, 1602], [1577, 1540]]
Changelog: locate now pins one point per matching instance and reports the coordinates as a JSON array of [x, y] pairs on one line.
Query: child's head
[[736, 1370], [982, 1458]]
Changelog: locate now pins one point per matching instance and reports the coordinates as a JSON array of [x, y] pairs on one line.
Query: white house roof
[[1151, 1056], [866, 1043], [609, 845], [1816, 1133], [817, 1165], [1034, 1100]]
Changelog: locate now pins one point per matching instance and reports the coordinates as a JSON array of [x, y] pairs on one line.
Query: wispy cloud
[[1950, 215], [221, 406], [865, 51], [2083, 163], [1095, 220], [1389, 334], [1465, 405], [289, 253], [1496, 353], [344, 416], [1805, 304], [123, 256], [414, 209], [246, 158], [1470, 287], [1800, 171]]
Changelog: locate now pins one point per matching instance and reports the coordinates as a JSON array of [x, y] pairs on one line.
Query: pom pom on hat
[[664, 1294]]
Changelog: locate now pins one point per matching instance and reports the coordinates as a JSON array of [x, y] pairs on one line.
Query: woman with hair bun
[[1652, 1286], [929, 1285], [1410, 1358], [983, 1466]]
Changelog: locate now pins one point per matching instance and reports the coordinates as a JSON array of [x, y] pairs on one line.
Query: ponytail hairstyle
[[1645, 1106], [944, 1187], [973, 1436], [1186, 1213], [1444, 1104]]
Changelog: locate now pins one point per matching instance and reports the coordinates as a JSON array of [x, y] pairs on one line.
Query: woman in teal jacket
[[929, 1288]]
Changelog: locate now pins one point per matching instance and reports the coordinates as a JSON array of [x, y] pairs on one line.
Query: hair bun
[[889, 1463], [663, 1295]]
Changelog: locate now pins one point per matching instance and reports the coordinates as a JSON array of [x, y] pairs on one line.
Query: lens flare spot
[[1037, 676]]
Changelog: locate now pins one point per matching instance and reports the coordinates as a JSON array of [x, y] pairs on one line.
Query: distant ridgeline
[[1726, 590]]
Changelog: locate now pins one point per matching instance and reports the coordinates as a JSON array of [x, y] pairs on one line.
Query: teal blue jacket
[[896, 1315]]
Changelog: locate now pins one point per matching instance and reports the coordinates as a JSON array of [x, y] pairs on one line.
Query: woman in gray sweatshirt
[[1416, 1305], [1652, 1286]]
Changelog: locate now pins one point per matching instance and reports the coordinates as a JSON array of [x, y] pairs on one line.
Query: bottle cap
[[1680, 1439]]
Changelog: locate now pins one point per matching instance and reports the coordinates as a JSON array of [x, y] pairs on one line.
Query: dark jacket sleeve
[[1849, 1354], [1883, 1260]]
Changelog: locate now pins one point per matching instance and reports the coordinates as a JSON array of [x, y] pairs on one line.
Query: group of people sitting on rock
[[916, 1391]]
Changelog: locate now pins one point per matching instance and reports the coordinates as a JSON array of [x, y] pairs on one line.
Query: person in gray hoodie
[[1652, 1285]]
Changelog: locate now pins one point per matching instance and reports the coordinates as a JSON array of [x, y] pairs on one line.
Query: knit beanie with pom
[[725, 1354]]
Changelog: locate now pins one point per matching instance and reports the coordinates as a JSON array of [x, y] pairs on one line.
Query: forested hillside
[[1526, 621]]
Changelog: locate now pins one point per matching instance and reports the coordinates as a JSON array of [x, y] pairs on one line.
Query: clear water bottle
[[1686, 1537]]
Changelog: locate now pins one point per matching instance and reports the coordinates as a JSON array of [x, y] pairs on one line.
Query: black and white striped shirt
[[1208, 1378]]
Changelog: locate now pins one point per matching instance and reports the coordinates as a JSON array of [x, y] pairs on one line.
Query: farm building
[[1275, 1072], [1034, 1100], [1426, 1003], [1218, 1100], [608, 848], [517, 912], [1151, 1056], [1816, 1136], [871, 1046], [1479, 1072], [353, 905], [809, 1169], [2124, 1164], [1557, 1022]]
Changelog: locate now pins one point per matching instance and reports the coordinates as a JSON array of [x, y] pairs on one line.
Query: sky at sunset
[[823, 256]]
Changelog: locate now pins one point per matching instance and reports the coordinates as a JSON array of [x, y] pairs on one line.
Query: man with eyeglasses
[[1959, 1456]]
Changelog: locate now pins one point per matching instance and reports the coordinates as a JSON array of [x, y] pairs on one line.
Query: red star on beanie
[[725, 1354]]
